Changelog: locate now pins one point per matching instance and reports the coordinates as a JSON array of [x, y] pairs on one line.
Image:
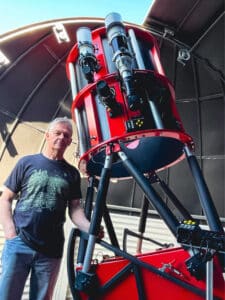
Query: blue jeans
[[18, 260]]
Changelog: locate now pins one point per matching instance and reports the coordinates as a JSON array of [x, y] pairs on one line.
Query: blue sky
[[18, 13]]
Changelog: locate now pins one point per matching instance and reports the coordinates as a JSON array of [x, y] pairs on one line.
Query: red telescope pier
[[128, 126]]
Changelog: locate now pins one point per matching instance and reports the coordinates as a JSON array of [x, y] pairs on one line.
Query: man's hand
[[6, 218]]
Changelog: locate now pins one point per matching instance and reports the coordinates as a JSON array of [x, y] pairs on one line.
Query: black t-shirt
[[45, 187]]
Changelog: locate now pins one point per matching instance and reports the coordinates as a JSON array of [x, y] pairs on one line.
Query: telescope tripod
[[86, 280]]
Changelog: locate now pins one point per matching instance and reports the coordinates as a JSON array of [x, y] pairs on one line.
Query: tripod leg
[[151, 194], [142, 222], [98, 212], [87, 281], [174, 200], [87, 210], [110, 228], [203, 192]]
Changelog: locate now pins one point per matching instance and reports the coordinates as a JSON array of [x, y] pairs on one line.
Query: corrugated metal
[[155, 229]]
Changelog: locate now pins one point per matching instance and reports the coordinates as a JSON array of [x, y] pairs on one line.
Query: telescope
[[129, 126], [87, 59], [123, 56]]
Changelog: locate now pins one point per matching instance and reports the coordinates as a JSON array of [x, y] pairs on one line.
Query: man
[[46, 185]]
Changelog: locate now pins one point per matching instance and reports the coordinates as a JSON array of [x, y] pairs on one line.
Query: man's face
[[59, 137]]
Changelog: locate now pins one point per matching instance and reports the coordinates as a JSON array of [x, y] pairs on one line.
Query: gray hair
[[64, 120]]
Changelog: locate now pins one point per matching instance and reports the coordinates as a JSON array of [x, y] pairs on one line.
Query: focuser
[[108, 99]]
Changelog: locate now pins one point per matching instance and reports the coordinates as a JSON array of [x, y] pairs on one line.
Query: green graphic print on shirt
[[43, 190]]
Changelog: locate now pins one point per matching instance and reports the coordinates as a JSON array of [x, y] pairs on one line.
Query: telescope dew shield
[[87, 59], [123, 56]]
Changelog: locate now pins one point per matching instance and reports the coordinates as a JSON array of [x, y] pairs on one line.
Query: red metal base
[[156, 287]]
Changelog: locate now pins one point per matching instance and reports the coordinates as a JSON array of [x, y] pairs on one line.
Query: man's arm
[[6, 218], [77, 215]]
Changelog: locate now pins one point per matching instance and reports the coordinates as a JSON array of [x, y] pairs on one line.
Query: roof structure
[[191, 38]]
